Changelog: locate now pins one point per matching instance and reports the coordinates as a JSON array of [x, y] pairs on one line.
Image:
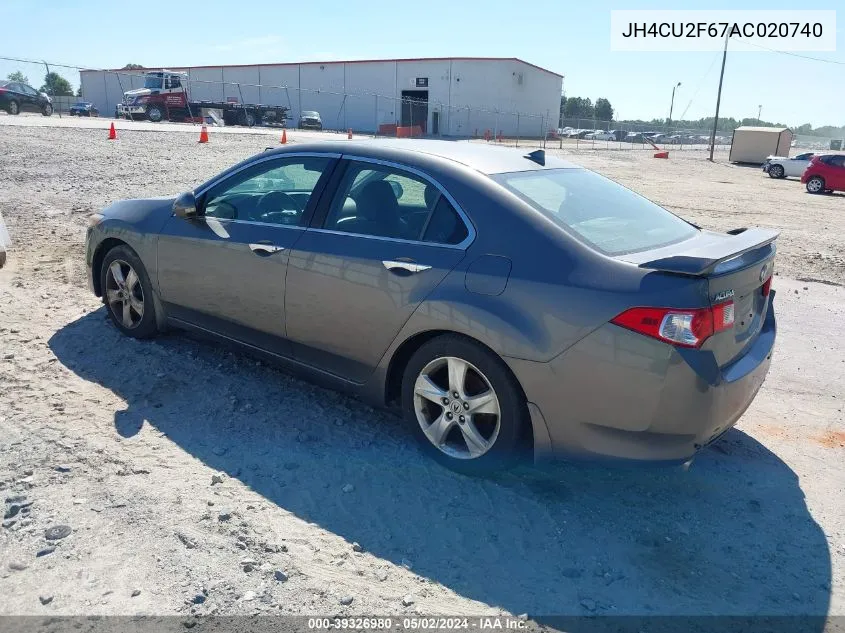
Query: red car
[[825, 173]]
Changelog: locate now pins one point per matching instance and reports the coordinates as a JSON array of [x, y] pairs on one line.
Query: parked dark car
[[310, 119], [84, 108], [17, 97], [497, 299]]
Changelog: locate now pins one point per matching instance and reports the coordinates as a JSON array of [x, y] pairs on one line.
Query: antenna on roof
[[538, 156]]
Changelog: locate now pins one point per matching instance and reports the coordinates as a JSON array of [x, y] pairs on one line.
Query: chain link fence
[[391, 115]]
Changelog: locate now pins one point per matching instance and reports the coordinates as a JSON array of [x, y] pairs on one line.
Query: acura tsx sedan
[[498, 300]]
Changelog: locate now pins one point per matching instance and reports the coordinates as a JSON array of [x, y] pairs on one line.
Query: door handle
[[264, 249], [409, 267]]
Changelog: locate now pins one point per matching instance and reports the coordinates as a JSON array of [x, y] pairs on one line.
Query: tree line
[[54, 84], [602, 110]]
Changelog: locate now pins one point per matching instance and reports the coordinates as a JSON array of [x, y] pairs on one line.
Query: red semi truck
[[165, 97]]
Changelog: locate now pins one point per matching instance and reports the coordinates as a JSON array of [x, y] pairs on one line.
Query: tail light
[[685, 328], [767, 287]]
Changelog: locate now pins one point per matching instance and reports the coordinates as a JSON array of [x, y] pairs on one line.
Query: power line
[[792, 54]]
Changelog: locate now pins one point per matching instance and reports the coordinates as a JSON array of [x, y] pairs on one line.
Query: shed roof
[[753, 128]]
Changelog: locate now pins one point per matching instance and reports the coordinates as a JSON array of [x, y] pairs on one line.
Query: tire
[[47, 109], [155, 113], [13, 108], [776, 171], [247, 119], [498, 437], [137, 323], [815, 185]]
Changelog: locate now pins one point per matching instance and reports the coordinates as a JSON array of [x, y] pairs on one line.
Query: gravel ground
[[197, 480]]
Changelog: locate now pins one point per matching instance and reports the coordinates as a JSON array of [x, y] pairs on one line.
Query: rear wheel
[[127, 293], [776, 171], [465, 406], [247, 118], [815, 184], [13, 107]]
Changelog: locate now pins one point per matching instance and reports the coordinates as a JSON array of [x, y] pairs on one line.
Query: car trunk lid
[[737, 266]]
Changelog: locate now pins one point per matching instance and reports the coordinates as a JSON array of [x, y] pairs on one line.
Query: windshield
[[598, 211], [310, 113], [153, 82]]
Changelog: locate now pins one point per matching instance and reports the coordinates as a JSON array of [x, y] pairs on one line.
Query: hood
[[146, 215], [138, 92]]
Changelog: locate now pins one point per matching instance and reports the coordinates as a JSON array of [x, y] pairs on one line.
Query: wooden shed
[[753, 144]]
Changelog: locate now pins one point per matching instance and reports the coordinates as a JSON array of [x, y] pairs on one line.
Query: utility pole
[[718, 99], [672, 106], [759, 110]]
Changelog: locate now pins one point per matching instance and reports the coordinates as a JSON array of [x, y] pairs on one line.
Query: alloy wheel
[[814, 185], [124, 294], [457, 408]]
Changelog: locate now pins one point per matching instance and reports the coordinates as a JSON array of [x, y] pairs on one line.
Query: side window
[[389, 202], [273, 192], [838, 161], [445, 226]]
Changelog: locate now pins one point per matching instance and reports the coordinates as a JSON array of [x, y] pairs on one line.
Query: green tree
[[603, 109], [56, 85], [19, 77], [79, 91], [132, 67], [578, 108]]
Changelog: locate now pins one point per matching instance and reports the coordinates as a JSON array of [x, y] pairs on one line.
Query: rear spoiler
[[701, 261]]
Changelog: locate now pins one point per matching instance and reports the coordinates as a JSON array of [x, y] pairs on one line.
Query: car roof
[[483, 157]]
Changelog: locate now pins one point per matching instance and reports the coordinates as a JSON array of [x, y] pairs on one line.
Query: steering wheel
[[275, 203]]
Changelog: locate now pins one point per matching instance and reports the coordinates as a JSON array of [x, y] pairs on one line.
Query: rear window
[[598, 211]]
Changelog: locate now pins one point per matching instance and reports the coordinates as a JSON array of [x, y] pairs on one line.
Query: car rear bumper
[[619, 395]]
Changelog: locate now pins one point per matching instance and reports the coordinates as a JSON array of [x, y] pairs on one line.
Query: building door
[[435, 123], [415, 108]]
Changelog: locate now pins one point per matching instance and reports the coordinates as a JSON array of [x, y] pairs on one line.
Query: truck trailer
[[166, 97]]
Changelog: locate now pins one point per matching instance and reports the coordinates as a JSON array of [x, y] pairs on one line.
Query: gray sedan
[[498, 300]]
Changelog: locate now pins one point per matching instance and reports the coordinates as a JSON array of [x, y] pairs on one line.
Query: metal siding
[[279, 85], [322, 90], [201, 89], [371, 101], [241, 84]]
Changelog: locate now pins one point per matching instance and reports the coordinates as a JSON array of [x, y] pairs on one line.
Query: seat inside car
[[376, 212]]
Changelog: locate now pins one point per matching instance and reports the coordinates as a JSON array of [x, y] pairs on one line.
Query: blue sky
[[569, 38]]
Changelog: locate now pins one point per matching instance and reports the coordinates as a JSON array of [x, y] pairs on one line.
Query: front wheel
[[155, 113], [47, 109], [815, 184], [776, 171], [128, 293], [466, 408]]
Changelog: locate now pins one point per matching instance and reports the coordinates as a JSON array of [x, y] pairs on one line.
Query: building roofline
[[341, 61]]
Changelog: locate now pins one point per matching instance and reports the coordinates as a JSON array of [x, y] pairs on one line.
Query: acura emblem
[[763, 272]]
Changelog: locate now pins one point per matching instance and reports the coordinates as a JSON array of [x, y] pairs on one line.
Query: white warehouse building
[[449, 96]]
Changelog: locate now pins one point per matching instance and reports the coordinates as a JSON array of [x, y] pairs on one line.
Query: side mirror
[[398, 190], [185, 206]]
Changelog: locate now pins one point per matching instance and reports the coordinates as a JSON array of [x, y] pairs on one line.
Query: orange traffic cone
[[204, 135], [349, 134], [112, 133], [284, 137]]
